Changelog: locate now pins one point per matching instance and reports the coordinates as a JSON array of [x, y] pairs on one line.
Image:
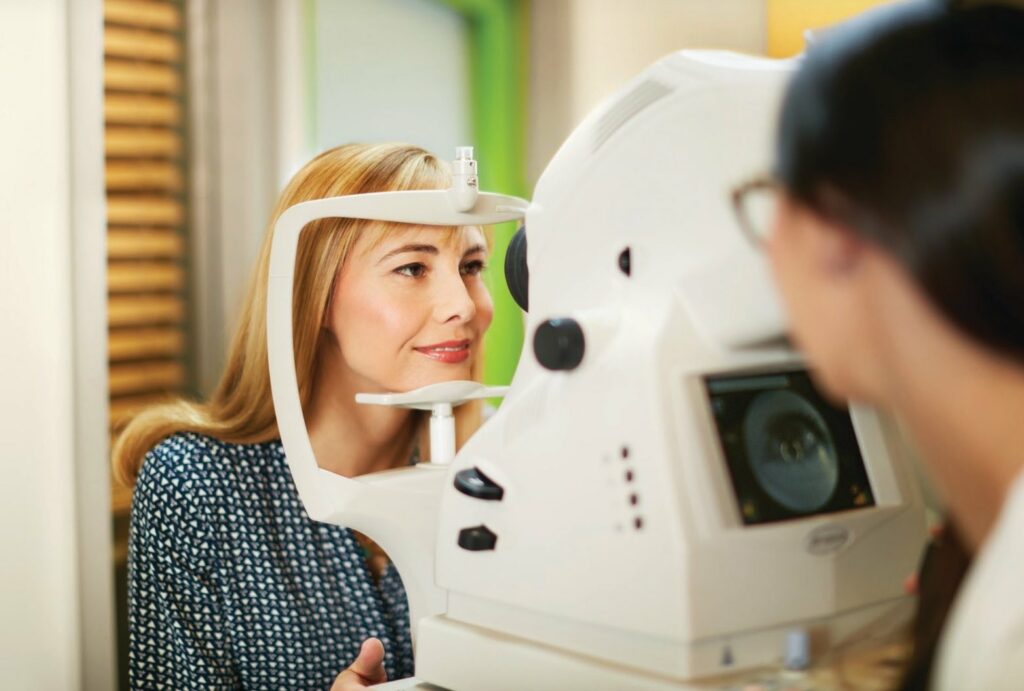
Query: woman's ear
[[840, 250]]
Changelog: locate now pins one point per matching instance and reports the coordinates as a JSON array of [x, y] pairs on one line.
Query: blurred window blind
[[145, 169]]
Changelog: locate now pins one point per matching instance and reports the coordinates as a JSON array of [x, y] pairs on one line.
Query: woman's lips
[[452, 352]]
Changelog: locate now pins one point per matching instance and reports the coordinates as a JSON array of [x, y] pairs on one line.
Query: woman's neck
[[962, 405], [352, 439]]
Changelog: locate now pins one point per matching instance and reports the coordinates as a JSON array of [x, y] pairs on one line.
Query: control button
[[626, 262], [559, 344], [477, 485], [477, 539]]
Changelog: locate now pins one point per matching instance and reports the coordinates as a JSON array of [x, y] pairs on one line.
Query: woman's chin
[[436, 375]]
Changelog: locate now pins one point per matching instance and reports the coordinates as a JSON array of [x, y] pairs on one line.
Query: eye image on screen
[[790, 453]]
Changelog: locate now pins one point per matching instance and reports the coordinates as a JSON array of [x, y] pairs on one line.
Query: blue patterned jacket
[[231, 585]]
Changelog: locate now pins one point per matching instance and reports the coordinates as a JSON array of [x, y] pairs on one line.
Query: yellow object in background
[[789, 19]]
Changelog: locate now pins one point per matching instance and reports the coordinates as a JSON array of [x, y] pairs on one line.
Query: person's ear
[[840, 250]]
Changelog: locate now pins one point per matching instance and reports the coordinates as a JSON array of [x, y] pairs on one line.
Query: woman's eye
[[473, 268], [416, 270]]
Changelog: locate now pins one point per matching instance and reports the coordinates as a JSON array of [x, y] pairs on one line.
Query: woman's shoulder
[[191, 446], [191, 462]]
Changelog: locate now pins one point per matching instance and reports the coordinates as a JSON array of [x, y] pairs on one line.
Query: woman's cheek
[[484, 309], [380, 316]]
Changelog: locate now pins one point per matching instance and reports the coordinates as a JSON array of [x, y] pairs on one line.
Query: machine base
[[460, 657]]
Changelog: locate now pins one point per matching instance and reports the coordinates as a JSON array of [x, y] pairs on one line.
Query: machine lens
[[791, 451]]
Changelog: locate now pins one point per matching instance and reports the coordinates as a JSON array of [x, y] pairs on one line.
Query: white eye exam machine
[[663, 494]]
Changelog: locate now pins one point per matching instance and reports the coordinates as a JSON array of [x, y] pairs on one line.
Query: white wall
[[234, 73], [583, 50], [88, 230], [391, 70], [40, 634]]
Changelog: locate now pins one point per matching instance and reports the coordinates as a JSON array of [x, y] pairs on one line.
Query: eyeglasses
[[754, 203]]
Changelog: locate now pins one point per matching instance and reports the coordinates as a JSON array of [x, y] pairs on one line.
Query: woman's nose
[[453, 301]]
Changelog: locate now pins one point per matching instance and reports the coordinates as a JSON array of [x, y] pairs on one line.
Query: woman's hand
[[367, 670]]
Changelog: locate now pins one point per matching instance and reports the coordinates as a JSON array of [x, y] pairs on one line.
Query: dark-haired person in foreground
[[898, 247]]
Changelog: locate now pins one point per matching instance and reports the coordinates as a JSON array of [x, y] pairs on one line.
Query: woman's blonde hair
[[241, 409]]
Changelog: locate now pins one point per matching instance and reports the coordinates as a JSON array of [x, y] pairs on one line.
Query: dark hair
[[943, 567], [907, 125]]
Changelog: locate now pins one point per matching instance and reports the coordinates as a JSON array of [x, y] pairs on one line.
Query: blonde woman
[[231, 585]]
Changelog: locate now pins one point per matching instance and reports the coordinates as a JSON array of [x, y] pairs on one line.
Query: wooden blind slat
[[132, 243], [146, 376], [135, 310], [143, 210], [144, 113], [133, 109], [143, 175], [124, 75], [136, 44], [139, 142], [146, 15], [138, 277], [135, 344]]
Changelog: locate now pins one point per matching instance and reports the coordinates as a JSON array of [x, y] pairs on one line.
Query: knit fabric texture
[[231, 585]]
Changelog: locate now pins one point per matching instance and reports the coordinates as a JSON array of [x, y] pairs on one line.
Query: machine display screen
[[790, 453]]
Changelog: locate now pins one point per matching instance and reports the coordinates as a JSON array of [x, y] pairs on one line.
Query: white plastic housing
[[465, 183], [439, 399], [674, 586], [576, 592]]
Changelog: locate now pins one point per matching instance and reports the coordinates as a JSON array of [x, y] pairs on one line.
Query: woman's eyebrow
[[429, 249]]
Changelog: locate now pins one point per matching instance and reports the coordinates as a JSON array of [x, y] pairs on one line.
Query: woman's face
[[821, 281], [412, 309]]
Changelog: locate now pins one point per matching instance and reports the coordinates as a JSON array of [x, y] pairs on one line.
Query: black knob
[[475, 484], [477, 539], [517, 273], [559, 344]]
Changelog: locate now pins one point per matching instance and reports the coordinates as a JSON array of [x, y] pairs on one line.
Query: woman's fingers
[[367, 670], [370, 663]]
